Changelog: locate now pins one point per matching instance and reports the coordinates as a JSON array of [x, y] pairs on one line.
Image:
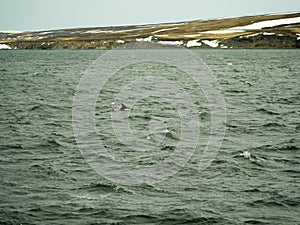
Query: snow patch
[[255, 26], [298, 38], [193, 43], [4, 46], [145, 39], [225, 31], [213, 44], [170, 42], [267, 33], [223, 46], [120, 41], [44, 33], [250, 35], [268, 23], [158, 31]]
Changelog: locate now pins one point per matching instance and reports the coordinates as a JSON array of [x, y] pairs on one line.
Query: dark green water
[[45, 179]]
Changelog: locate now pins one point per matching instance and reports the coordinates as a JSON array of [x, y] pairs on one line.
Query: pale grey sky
[[55, 14]]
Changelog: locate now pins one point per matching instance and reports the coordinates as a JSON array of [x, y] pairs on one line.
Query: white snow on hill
[[213, 44], [162, 30], [149, 39], [170, 42], [4, 46], [193, 43], [256, 26], [269, 23]]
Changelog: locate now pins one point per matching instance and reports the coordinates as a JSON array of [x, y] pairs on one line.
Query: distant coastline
[[251, 32]]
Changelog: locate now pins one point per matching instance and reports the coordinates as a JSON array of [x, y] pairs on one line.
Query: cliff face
[[267, 31]]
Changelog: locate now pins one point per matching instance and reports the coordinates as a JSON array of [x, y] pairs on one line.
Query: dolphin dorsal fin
[[123, 107]]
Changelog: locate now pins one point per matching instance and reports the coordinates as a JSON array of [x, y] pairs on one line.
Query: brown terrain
[[193, 34]]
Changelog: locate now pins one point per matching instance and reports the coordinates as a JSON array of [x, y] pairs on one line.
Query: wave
[[278, 147], [139, 116], [106, 187], [11, 146], [284, 101], [266, 111], [273, 125], [280, 201], [287, 148], [34, 107], [174, 216], [46, 143], [44, 170], [235, 91]]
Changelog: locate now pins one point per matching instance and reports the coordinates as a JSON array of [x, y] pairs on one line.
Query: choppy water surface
[[45, 179]]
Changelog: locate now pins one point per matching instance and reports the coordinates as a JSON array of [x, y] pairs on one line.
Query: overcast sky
[[55, 14]]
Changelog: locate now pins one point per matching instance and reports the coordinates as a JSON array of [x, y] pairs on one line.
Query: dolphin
[[124, 107]]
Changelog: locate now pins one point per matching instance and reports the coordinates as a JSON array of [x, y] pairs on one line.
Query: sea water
[[253, 179]]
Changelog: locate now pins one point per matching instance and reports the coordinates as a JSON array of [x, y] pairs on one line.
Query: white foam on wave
[[246, 155]]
